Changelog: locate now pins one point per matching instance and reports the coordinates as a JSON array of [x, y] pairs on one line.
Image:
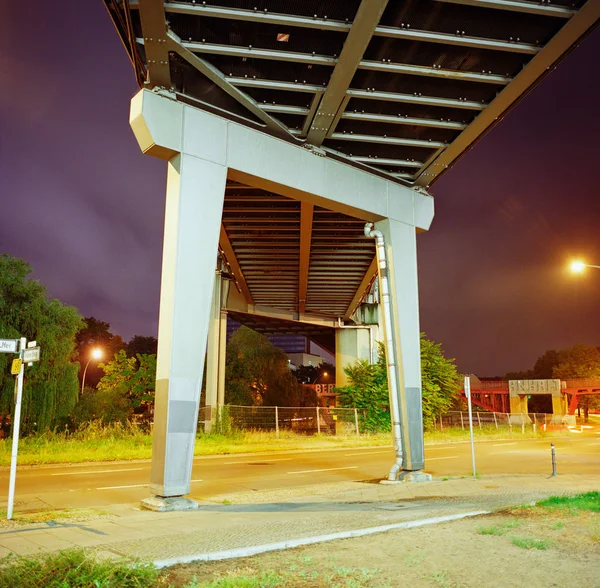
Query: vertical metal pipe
[[356, 420], [389, 349], [553, 459], [318, 422]]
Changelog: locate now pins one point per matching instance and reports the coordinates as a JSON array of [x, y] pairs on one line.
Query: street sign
[[30, 355], [15, 368], [8, 345]]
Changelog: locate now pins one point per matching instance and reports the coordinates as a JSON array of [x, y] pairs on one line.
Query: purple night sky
[[84, 207]]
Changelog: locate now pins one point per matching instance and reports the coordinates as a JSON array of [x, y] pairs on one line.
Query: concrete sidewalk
[[231, 522]]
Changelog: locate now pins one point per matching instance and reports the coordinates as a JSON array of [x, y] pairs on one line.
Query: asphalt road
[[97, 485]]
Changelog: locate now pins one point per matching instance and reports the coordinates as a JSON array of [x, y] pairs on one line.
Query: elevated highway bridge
[[285, 127]]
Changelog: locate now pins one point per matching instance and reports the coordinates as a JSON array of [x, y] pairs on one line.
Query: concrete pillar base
[[412, 477], [173, 503]]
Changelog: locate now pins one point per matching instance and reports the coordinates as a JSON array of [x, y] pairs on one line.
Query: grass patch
[[75, 568], [95, 442], [530, 543], [589, 501], [48, 516], [500, 529]]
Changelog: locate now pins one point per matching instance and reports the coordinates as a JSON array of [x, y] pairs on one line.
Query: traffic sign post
[[467, 389], [16, 426]]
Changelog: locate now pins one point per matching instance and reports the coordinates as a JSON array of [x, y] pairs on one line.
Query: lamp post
[[95, 354]]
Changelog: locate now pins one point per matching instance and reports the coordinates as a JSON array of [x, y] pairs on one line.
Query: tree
[[368, 387], [308, 374], [108, 406], [545, 364], [135, 377], [96, 333], [579, 361], [142, 345], [51, 385], [257, 372]]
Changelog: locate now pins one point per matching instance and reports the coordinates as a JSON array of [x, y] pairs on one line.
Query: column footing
[[169, 504], [405, 477]]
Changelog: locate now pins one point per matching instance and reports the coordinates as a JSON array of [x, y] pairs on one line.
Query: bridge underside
[[287, 125]]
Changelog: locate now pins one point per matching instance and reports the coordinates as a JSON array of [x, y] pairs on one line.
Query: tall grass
[[96, 442]]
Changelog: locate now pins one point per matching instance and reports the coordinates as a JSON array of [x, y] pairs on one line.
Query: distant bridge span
[[493, 395]]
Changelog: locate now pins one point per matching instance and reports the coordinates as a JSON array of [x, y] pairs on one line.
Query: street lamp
[[577, 266], [323, 375], [95, 354]]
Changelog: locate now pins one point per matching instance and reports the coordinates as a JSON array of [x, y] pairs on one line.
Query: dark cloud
[[85, 208]]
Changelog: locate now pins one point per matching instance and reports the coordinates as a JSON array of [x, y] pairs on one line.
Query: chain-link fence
[[309, 420], [481, 419]]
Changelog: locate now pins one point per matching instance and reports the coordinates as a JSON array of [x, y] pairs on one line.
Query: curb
[[257, 549]]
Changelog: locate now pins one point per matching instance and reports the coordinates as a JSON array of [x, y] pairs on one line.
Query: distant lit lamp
[[323, 375], [578, 266], [95, 354]]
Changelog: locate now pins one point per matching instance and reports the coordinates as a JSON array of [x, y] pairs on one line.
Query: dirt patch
[[526, 547]]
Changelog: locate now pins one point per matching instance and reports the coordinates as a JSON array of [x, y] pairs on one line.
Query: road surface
[[97, 485]]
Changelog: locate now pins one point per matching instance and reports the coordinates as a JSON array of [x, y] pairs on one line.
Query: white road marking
[[435, 447], [503, 444], [258, 460], [324, 470], [388, 451], [446, 457], [98, 472], [133, 486], [121, 487]]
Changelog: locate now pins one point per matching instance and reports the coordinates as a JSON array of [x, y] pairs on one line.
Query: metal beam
[[257, 53], [386, 161], [275, 85], [225, 245], [306, 222], [460, 40], [154, 29], [518, 6], [214, 75], [367, 18], [284, 109], [544, 62], [384, 66], [435, 72], [404, 120], [311, 113], [344, 27], [362, 289], [385, 140], [417, 99]]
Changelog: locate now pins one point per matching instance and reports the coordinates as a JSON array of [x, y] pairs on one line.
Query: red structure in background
[[494, 395]]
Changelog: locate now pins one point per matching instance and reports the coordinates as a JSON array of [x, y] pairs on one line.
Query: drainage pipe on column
[[389, 348]]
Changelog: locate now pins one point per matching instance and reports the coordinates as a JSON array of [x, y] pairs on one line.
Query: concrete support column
[[350, 345], [401, 252], [194, 205], [215, 354]]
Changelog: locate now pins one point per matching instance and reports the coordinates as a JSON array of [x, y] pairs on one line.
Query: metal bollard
[[553, 459]]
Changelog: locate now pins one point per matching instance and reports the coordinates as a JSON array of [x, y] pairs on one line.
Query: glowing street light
[[95, 354], [323, 375], [577, 266]]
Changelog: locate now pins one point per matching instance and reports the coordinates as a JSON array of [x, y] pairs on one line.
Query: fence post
[[277, 422], [356, 420], [523, 424], [318, 422], [479, 420], [441, 423], [495, 421], [462, 422]]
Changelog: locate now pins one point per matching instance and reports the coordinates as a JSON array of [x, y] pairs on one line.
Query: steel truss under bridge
[[402, 87]]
